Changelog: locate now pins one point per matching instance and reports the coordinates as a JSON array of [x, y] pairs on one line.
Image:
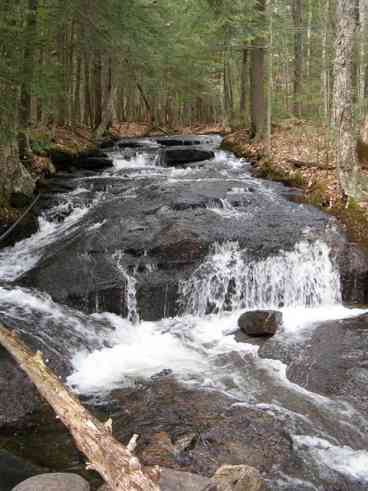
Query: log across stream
[[132, 288]]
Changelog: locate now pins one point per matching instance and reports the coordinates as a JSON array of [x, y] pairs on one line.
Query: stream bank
[[303, 156]]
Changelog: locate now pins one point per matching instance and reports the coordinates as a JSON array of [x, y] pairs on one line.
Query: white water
[[226, 280], [129, 288], [344, 460], [24, 255]]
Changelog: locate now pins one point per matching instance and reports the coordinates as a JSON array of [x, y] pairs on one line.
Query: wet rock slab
[[334, 362]]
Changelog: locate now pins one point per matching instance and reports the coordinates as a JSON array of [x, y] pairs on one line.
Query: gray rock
[[260, 322], [18, 397], [14, 470], [237, 478], [172, 480], [177, 156], [15, 179], [181, 481], [336, 357], [54, 482]]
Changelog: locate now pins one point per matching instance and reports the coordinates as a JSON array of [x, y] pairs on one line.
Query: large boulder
[[93, 159], [54, 482], [179, 156], [16, 183], [260, 323]]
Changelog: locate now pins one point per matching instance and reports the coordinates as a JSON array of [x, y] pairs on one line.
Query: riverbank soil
[[304, 156]]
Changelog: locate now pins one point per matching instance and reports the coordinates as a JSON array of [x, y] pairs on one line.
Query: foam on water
[[189, 346], [344, 460], [137, 161], [129, 284], [24, 255], [226, 280]]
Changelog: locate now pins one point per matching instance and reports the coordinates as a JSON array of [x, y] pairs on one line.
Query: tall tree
[[347, 164], [257, 73], [297, 11]]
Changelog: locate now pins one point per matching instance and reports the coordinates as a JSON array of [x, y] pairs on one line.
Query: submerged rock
[[260, 323], [54, 482]]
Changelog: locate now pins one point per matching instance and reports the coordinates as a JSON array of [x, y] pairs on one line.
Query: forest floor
[[303, 156]]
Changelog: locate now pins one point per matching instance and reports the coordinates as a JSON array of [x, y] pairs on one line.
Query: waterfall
[[227, 281], [130, 299]]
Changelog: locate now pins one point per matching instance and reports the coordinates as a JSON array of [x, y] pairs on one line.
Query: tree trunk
[[87, 92], [297, 11], [98, 89], [116, 464], [243, 83], [325, 79], [28, 65], [347, 164], [257, 76], [76, 98], [363, 34]]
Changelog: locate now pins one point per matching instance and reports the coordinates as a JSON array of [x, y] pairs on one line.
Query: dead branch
[[301, 163], [117, 465]]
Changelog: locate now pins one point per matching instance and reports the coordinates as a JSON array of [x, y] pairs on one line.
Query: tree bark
[[98, 89], [297, 11], [28, 65], [117, 465], [243, 83], [257, 76], [347, 163], [325, 78]]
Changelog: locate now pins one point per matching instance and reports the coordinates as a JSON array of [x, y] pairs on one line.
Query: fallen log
[[301, 163], [116, 464]]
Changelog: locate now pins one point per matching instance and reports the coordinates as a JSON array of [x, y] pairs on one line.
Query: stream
[[132, 288]]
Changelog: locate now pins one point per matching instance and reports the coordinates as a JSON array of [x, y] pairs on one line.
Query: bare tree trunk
[[297, 10], [28, 66], [117, 465], [87, 92], [269, 80], [98, 88], [77, 102], [363, 65], [25, 102], [257, 77], [243, 83], [347, 163], [325, 83]]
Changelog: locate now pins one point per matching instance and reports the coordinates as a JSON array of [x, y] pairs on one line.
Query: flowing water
[[102, 351]]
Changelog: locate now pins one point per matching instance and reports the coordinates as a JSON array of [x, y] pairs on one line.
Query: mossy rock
[[61, 154]]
